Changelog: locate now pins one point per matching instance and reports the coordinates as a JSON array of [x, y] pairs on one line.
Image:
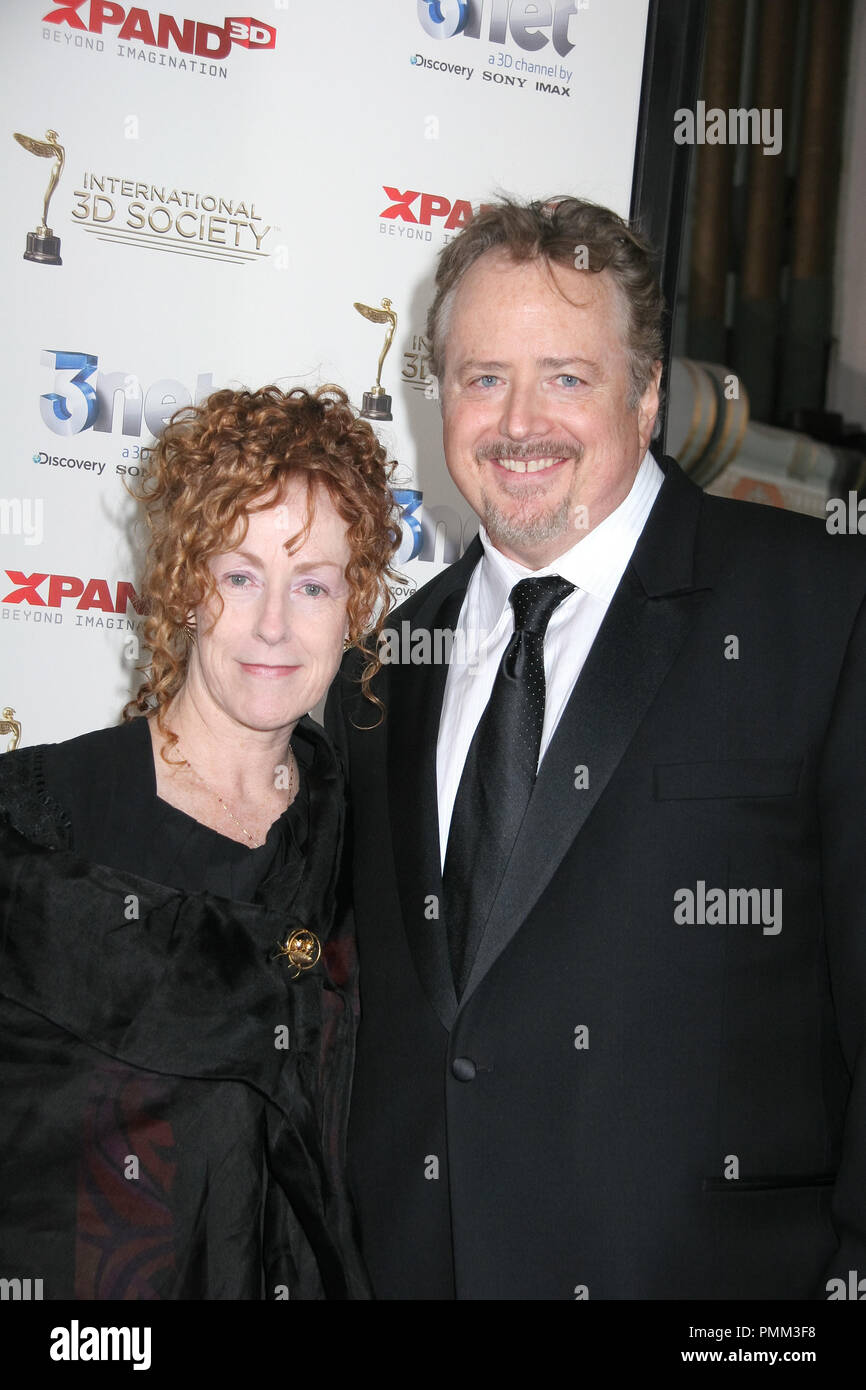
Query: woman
[[175, 1027]]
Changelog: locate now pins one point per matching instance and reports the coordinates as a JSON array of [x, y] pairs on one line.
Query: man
[[613, 1013]]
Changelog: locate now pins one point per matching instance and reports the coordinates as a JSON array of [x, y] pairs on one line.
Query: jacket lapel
[[414, 702], [650, 615]]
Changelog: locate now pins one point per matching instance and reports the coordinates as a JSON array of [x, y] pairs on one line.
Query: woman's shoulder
[[45, 788], [314, 748], [88, 754]]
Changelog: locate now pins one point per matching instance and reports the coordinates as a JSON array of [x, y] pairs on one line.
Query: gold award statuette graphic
[[42, 245], [377, 402], [10, 725]]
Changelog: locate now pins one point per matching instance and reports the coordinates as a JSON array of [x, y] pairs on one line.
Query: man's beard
[[533, 527]]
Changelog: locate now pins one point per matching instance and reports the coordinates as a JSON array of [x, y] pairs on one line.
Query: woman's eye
[[237, 581], [312, 590]]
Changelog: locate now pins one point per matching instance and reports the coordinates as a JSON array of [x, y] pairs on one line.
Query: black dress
[[173, 1093]]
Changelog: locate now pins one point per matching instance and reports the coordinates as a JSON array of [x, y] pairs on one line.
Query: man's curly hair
[[234, 454]]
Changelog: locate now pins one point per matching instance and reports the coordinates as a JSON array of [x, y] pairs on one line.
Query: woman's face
[[273, 651]]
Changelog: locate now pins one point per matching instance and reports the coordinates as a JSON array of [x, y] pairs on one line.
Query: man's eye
[[487, 380], [568, 379]]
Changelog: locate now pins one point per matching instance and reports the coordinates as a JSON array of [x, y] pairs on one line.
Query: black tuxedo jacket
[[626, 1104]]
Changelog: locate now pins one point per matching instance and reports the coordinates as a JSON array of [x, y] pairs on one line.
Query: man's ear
[[648, 408]]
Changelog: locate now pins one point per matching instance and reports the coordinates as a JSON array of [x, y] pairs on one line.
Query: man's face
[[538, 433]]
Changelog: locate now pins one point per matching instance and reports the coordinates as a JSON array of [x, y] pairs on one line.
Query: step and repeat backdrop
[[195, 200]]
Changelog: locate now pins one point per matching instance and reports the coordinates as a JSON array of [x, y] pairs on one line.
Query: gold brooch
[[303, 949]]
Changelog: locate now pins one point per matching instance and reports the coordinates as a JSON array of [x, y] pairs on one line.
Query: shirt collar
[[595, 563]]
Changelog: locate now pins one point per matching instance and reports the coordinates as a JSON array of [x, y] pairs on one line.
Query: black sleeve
[[842, 811]]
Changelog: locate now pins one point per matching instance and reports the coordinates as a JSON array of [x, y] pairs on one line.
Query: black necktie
[[498, 775]]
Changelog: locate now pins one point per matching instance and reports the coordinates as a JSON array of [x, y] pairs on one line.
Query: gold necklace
[[228, 810]]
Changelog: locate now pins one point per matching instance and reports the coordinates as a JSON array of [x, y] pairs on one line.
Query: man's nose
[[524, 412]]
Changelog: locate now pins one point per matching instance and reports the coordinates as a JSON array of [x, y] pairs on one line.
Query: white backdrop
[[219, 212]]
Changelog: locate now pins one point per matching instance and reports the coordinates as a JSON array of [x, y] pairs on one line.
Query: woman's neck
[[240, 762]]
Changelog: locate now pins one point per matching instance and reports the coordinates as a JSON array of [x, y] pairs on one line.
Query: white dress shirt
[[594, 565]]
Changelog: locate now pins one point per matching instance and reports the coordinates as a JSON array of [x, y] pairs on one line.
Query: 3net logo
[[85, 398], [50, 591], [422, 208], [162, 30], [522, 21]]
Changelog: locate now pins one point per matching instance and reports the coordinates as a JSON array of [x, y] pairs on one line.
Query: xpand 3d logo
[[458, 213], [44, 590], [522, 21], [156, 31]]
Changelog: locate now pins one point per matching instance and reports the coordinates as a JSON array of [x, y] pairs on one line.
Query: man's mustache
[[555, 449]]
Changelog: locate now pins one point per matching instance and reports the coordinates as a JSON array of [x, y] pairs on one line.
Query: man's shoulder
[[421, 609], [428, 596], [753, 535], [770, 534]]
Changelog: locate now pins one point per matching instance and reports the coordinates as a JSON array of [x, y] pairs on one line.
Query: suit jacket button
[[463, 1068]]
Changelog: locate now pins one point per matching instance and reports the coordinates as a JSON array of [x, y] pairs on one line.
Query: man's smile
[[522, 465]]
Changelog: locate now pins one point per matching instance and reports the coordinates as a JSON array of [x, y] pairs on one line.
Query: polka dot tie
[[498, 774]]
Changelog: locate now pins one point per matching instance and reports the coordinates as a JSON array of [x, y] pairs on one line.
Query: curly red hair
[[234, 454]]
